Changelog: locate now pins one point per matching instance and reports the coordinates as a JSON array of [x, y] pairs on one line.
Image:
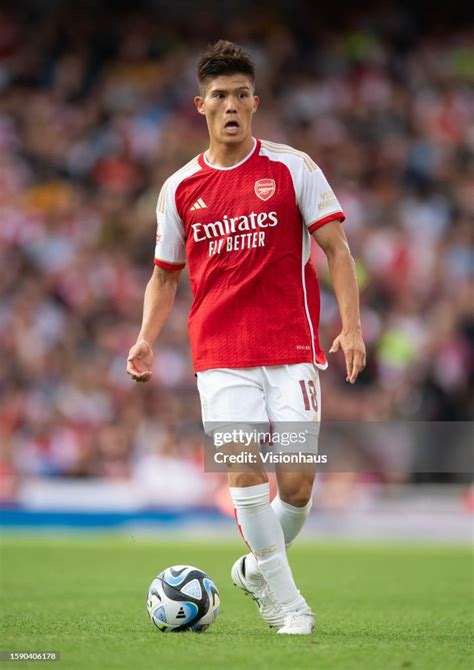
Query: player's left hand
[[352, 344]]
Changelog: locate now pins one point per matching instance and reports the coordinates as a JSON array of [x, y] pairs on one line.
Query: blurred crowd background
[[95, 113]]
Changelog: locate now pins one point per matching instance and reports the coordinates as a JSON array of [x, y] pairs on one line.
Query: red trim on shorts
[[330, 217], [168, 266]]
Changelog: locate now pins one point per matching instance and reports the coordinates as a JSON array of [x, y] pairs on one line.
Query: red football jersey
[[245, 233]]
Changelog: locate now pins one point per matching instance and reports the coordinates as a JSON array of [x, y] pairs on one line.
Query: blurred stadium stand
[[96, 111]]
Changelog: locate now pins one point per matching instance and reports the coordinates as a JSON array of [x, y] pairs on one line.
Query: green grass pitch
[[379, 607]]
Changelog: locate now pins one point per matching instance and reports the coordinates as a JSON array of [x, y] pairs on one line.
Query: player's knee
[[244, 479], [297, 496]]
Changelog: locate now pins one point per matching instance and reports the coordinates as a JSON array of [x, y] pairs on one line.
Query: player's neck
[[227, 155]]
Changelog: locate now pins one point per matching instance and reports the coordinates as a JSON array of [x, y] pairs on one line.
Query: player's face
[[228, 103]]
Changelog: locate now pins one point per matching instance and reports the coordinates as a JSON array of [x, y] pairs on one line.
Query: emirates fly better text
[[235, 233]]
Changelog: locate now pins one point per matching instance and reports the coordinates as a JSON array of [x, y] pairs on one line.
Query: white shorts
[[275, 398]]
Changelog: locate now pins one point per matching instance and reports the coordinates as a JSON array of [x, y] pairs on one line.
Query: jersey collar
[[204, 163]]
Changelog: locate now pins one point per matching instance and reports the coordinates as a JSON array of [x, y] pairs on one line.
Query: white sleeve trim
[[314, 197], [170, 232]]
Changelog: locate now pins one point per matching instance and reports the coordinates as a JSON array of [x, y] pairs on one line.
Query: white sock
[[292, 520], [263, 534]]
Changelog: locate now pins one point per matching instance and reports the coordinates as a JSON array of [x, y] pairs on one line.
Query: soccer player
[[241, 215]]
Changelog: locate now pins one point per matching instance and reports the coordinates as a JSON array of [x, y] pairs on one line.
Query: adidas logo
[[199, 204], [181, 614]]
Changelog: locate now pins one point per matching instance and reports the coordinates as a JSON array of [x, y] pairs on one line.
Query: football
[[183, 598]]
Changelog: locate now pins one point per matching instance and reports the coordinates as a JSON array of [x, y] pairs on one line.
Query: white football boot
[[298, 622], [268, 606]]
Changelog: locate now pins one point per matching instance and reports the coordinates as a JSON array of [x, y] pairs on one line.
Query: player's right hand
[[140, 361]]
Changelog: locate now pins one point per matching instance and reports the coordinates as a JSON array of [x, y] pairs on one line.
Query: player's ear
[[256, 102], [199, 104]]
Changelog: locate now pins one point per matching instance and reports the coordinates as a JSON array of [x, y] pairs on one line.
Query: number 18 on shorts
[[264, 399]]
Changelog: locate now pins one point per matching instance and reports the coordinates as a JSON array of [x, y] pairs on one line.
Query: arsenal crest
[[265, 188]]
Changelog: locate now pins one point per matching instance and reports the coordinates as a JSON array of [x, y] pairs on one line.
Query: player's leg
[[263, 534], [293, 502], [236, 398], [293, 401], [295, 489], [293, 397], [292, 506], [295, 406], [250, 494]]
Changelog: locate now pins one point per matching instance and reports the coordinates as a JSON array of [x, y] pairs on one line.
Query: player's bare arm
[[158, 302], [332, 239]]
